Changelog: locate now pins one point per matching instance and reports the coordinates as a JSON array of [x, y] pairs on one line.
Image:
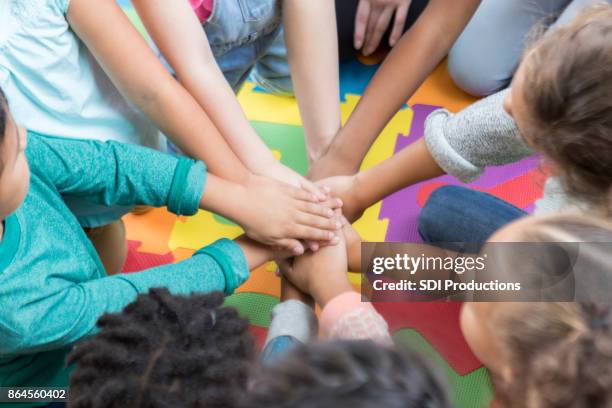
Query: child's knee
[[472, 76]]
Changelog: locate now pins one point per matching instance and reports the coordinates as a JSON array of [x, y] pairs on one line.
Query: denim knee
[[431, 222]]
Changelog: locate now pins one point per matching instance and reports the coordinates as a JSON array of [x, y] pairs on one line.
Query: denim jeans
[[277, 348], [463, 219], [240, 32]]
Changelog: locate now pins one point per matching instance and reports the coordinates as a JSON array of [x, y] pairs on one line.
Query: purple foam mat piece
[[402, 208]]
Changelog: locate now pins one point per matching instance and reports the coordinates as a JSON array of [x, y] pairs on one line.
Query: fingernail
[[338, 225], [335, 240], [329, 213], [327, 189], [339, 202], [297, 250]]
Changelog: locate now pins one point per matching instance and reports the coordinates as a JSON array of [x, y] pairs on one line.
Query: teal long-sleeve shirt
[[53, 287]]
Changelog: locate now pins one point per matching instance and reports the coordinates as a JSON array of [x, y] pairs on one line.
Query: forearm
[[411, 165], [179, 35], [135, 70], [312, 46], [403, 71]]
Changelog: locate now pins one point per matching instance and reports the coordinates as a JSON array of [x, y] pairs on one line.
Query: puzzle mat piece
[[153, 229], [138, 261], [469, 390]]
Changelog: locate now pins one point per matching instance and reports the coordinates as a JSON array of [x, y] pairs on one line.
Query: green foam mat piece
[[469, 391]]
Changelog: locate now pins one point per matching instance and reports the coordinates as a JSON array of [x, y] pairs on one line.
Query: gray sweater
[[481, 135]]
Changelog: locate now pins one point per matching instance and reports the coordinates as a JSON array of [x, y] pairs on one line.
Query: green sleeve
[[111, 173], [72, 312]]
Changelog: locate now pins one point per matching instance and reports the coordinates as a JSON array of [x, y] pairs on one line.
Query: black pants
[[346, 10]]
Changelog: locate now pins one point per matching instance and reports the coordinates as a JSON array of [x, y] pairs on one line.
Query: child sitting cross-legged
[[53, 287]]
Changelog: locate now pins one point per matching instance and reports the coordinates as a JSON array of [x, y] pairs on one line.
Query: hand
[[372, 20], [278, 171], [321, 273], [353, 247], [279, 215], [345, 188]]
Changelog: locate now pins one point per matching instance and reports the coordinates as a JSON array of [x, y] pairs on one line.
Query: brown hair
[[559, 353], [568, 88]]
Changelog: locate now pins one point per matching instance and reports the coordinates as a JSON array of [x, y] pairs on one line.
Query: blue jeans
[[277, 348], [462, 219], [240, 32]]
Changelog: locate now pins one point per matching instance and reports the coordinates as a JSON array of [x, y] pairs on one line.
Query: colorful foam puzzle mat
[[159, 237]]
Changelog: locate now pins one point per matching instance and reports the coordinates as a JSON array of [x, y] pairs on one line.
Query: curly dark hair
[[568, 87], [164, 351], [356, 374]]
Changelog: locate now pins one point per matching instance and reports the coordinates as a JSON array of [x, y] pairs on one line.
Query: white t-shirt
[[53, 83]]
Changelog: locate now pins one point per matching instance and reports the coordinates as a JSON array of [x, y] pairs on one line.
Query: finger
[[374, 15], [292, 245], [325, 209], [378, 30], [330, 224], [313, 245], [361, 23], [302, 195], [306, 232], [398, 25], [313, 189]]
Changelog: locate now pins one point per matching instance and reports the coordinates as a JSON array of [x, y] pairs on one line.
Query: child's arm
[[312, 47], [139, 75], [402, 72], [344, 314], [179, 35], [362, 190], [66, 315], [119, 174]]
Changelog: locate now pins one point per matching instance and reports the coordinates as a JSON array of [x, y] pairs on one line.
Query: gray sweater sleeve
[[482, 134]]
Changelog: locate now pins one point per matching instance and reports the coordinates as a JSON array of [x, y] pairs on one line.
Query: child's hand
[[353, 247], [345, 188], [280, 215], [278, 171], [322, 273]]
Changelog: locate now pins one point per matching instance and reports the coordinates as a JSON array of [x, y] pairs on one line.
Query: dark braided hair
[[164, 351], [355, 374]]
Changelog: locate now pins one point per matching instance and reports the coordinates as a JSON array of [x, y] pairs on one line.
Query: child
[[66, 67], [232, 37], [171, 351], [548, 354], [562, 105], [53, 287], [165, 351]]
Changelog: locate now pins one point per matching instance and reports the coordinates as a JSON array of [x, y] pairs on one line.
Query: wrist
[[360, 192], [324, 290], [344, 161]]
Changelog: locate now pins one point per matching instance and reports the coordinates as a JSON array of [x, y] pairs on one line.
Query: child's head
[[14, 170], [164, 351], [356, 374], [561, 99], [548, 354]]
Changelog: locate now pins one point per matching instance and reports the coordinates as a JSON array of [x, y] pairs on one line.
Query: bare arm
[[403, 71], [362, 190], [137, 73], [177, 32], [312, 46]]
